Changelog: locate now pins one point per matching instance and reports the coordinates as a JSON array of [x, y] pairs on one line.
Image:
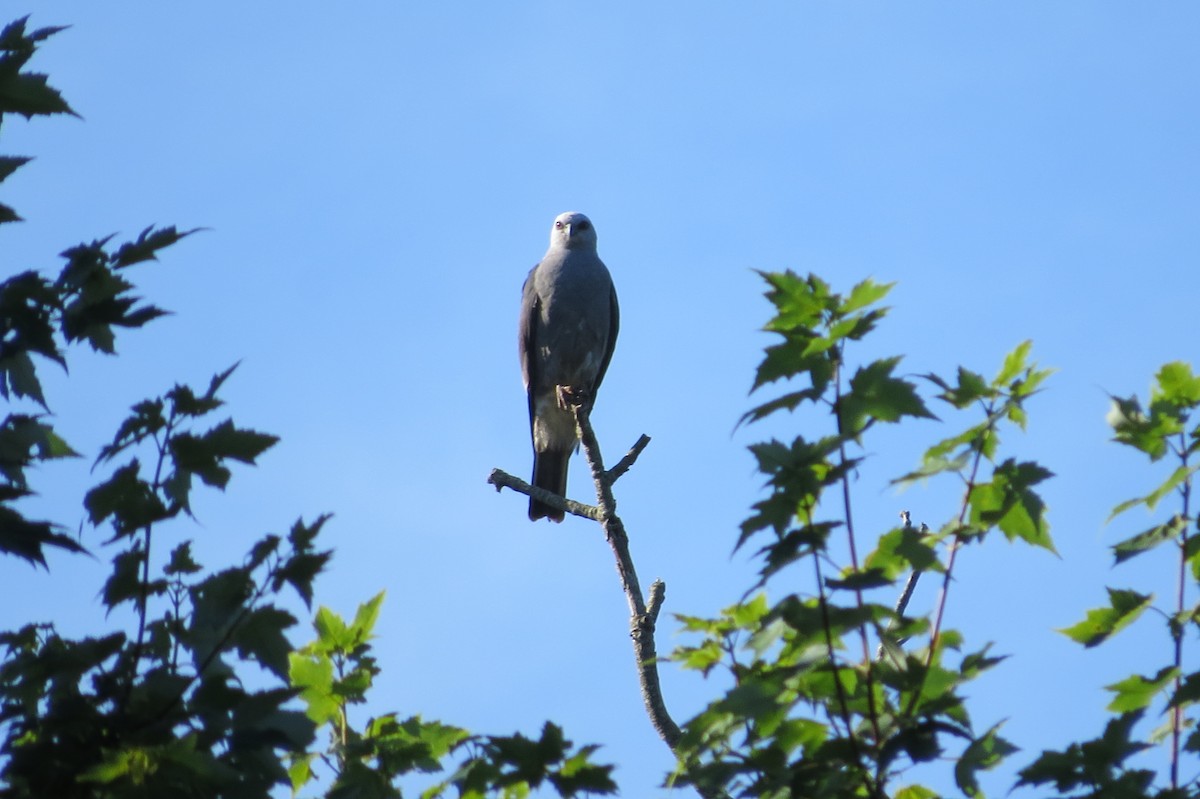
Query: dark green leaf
[[26, 539], [261, 636], [861, 580], [1149, 539], [1101, 623], [181, 560], [125, 584], [874, 394], [10, 164], [985, 752], [147, 245], [1009, 503], [127, 499]]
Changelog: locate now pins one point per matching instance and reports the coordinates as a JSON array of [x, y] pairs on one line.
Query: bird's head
[[574, 231]]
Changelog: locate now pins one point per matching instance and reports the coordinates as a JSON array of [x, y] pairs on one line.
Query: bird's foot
[[569, 397]]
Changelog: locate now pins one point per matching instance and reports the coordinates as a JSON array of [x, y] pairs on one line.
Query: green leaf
[[10, 164], [1176, 385], [313, 675], [19, 377], [861, 580], [261, 636], [1014, 363], [1180, 476], [124, 584], [205, 455], [700, 658], [29, 94], [868, 292], [916, 792], [360, 630], [147, 245], [128, 500], [1147, 433], [26, 539], [218, 601], [134, 763], [1149, 539], [903, 549], [1009, 503], [300, 569], [1101, 623], [1188, 693], [875, 395], [970, 388], [412, 744], [1096, 764], [332, 633], [300, 770], [985, 752], [1137, 692]]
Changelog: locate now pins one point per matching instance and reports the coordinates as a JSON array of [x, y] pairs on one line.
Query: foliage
[[1167, 429], [835, 693], [205, 695], [837, 689], [335, 671]]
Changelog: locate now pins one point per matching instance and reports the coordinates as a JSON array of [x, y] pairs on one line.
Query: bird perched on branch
[[568, 329]]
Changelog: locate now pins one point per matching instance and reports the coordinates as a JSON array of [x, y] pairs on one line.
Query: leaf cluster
[[202, 694], [333, 674], [836, 694], [163, 711], [1166, 428]]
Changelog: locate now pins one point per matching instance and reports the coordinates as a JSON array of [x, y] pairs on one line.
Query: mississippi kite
[[568, 329]]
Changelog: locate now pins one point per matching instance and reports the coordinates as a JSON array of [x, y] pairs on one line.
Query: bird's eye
[[558, 224]]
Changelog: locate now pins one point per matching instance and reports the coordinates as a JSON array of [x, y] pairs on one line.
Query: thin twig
[[910, 585], [632, 455], [948, 575], [1177, 630], [872, 711]]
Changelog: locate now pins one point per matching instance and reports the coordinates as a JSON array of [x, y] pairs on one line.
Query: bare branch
[[910, 585], [502, 479], [643, 615], [630, 457], [641, 622]]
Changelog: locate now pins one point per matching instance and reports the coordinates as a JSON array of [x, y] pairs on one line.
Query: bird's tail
[[550, 473]]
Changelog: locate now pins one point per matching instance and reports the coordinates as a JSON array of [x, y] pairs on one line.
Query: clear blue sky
[[377, 181]]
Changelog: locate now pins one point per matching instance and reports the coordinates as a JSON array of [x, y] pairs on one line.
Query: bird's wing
[[614, 324], [526, 337]]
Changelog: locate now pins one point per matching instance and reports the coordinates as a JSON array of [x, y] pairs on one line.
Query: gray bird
[[568, 329]]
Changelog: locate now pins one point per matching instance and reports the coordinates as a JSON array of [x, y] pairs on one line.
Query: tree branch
[[632, 455], [502, 479], [642, 618], [643, 613]]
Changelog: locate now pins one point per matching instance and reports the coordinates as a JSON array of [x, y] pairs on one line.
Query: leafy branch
[[1168, 428]]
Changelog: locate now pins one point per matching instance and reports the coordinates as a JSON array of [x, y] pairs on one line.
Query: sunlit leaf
[[1136, 692], [1101, 623]]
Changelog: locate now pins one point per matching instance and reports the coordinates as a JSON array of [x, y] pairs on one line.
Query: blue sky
[[376, 183]]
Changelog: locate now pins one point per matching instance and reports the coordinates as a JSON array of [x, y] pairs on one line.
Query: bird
[[568, 329]]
